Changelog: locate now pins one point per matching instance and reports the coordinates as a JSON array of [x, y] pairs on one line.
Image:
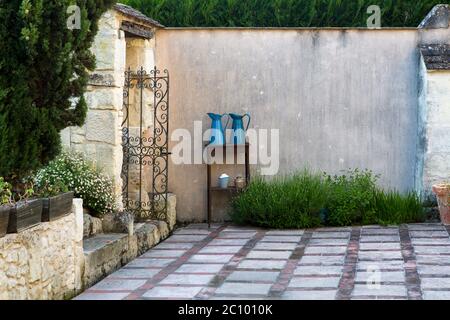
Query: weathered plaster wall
[[44, 262], [342, 98], [437, 128]]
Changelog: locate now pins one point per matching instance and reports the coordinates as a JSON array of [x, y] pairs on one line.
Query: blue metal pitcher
[[217, 131], [238, 136]]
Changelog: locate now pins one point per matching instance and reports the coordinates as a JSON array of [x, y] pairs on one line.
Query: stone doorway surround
[[125, 40]]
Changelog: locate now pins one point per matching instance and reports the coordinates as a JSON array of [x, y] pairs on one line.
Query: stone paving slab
[[237, 288], [318, 270], [380, 246], [269, 254], [432, 250], [210, 258], [281, 238], [119, 285], [103, 296], [171, 292], [314, 282], [381, 265], [324, 250], [254, 276], [262, 264], [436, 295], [380, 255], [143, 273], [232, 262], [377, 238], [164, 254], [382, 290], [188, 279], [236, 235], [199, 268], [310, 295], [329, 242], [220, 249], [387, 276], [435, 283], [322, 260], [433, 259], [150, 263], [174, 246]]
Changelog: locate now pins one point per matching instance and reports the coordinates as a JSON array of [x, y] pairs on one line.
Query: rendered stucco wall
[[437, 148], [341, 98]]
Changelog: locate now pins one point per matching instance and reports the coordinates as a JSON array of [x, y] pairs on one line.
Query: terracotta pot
[[442, 192]]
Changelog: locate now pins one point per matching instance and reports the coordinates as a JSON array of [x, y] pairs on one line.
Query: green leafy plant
[[52, 189], [282, 13], [10, 197], [5, 192], [70, 171], [351, 197]]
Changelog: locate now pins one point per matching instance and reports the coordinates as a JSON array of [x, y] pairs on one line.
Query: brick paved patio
[[228, 262]]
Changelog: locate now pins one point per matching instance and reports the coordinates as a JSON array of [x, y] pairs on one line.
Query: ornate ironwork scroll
[[145, 139]]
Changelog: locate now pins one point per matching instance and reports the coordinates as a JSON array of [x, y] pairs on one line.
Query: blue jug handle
[[249, 119], [228, 121]]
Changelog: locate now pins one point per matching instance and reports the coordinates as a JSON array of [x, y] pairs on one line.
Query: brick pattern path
[[229, 262]]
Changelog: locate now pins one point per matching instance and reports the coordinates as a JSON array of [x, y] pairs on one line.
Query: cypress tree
[[44, 69]]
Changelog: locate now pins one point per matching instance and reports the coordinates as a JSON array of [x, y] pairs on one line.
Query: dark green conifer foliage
[[43, 73], [282, 13]]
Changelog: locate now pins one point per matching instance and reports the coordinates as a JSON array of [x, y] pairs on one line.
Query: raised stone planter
[[442, 192], [43, 262]]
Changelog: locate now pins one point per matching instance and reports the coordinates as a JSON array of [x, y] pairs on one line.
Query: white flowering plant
[[79, 175]]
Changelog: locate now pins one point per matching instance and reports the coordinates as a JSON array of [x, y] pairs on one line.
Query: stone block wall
[[100, 138], [44, 262]]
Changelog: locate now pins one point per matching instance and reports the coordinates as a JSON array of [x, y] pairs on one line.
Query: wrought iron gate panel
[[146, 153]]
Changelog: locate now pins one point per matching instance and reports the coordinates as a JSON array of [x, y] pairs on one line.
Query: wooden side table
[[211, 190]]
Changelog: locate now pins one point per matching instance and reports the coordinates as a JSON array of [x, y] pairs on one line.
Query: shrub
[[307, 200], [286, 202], [44, 69], [351, 197], [80, 176]]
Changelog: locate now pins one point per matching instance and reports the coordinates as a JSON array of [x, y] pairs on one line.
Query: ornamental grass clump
[[393, 207], [286, 202], [79, 175]]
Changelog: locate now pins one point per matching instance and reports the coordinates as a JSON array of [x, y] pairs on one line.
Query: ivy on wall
[[282, 13]]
